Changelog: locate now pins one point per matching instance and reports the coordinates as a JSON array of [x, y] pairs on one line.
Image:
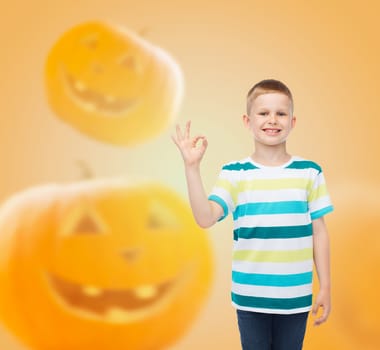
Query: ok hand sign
[[191, 153]]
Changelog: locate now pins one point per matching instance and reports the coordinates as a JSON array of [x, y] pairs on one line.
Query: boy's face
[[270, 119]]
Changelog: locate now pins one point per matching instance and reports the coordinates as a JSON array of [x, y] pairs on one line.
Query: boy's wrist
[[325, 288], [192, 166]]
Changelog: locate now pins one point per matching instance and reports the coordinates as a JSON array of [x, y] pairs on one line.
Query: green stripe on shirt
[[273, 255], [318, 192], [262, 185], [272, 184]]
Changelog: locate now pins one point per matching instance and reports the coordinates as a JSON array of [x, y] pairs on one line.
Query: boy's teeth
[[272, 131]]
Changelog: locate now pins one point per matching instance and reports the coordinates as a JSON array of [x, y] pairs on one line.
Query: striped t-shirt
[[273, 209]]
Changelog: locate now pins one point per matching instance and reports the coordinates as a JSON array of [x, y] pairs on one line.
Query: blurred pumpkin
[[111, 84], [101, 265], [355, 265]]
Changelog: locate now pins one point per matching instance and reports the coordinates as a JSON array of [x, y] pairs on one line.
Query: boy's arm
[[205, 212], [321, 252]]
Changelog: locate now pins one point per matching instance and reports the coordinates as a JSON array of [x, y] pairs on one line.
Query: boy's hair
[[267, 86]]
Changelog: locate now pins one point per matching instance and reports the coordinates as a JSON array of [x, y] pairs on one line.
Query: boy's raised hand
[[191, 153]]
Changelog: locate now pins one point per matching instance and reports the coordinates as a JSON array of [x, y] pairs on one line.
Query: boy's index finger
[[175, 139], [321, 319], [187, 130], [326, 312]]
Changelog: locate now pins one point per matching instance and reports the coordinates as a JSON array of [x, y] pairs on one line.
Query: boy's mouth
[[271, 131]]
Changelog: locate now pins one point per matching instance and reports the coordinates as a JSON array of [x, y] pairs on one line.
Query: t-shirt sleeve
[[318, 198], [222, 193]]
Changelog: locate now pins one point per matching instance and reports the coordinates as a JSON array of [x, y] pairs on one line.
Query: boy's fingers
[[174, 139], [187, 130], [320, 320], [196, 139], [179, 133], [315, 309], [204, 143], [324, 315]]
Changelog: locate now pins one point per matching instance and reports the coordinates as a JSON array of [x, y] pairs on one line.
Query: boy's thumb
[[315, 309]]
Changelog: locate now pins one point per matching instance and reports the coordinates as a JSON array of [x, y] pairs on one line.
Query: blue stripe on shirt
[[271, 208], [272, 303], [273, 232], [321, 212], [286, 280], [222, 203]]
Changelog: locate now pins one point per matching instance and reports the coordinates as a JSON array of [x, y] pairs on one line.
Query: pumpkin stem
[[87, 172], [143, 31]]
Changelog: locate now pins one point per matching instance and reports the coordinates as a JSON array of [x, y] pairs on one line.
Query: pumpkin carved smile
[[113, 305], [92, 100]]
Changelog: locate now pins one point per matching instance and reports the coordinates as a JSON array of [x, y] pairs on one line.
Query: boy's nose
[[272, 119]]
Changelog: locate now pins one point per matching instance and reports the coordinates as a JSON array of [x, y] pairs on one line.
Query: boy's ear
[[246, 120], [294, 119]]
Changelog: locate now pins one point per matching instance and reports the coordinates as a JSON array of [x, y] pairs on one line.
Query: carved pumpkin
[[101, 265], [111, 84]]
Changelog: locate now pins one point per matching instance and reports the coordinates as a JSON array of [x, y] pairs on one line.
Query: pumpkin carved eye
[[162, 217], [130, 62], [83, 221], [87, 226], [90, 41]]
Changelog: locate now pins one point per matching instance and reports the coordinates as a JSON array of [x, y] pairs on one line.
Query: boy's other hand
[[322, 300], [191, 153]]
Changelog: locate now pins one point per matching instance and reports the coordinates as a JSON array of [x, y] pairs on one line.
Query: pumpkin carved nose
[[131, 254]]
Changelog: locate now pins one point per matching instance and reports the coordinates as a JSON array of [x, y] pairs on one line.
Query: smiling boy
[[278, 202]]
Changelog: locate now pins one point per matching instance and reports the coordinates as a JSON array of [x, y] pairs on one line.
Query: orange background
[[327, 52]]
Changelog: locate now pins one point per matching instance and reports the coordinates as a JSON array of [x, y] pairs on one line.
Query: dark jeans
[[259, 331]]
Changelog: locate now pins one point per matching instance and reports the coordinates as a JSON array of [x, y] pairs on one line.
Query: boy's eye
[[263, 113], [281, 114]]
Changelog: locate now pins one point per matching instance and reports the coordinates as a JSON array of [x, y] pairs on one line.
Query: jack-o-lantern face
[[111, 84], [101, 265]]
